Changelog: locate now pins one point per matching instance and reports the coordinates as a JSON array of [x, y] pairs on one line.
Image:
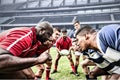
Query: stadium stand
[[59, 12], [58, 19], [27, 20], [4, 20], [94, 17], [117, 16], [11, 6]]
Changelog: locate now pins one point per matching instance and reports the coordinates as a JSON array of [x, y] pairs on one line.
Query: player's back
[[6, 32]]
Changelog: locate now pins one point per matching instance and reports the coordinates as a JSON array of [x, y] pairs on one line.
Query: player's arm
[[58, 46], [49, 51], [70, 46], [58, 51], [9, 62]]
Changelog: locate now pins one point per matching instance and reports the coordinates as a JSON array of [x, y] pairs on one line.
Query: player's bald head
[[44, 31], [45, 26]]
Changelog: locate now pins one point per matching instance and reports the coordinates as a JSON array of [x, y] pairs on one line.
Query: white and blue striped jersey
[[109, 36]]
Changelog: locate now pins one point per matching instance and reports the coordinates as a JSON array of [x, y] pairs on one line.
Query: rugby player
[[64, 42], [106, 42], [41, 67], [18, 46], [74, 46]]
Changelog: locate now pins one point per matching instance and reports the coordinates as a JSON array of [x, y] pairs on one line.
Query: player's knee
[[49, 63], [70, 59], [83, 65], [77, 63], [57, 59], [49, 60], [96, 71], [42, 69], [31, 76], [77, 59]]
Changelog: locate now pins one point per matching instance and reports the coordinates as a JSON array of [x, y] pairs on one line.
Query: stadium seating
[[60, 12], [117, 16], [27, 20], [94, 17], [59, 19], [10, 6], [4, 20]]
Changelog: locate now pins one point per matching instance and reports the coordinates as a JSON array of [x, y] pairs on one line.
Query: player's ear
[[87, 36]]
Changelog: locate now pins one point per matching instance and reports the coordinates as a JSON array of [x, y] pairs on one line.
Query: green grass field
[[64, 69]]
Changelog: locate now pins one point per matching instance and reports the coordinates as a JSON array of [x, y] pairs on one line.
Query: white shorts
[[77, 53]]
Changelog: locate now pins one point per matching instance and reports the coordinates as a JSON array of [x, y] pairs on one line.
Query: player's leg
[[22, 74], [40, 70], [85, 63], [105, 77], [72, 64], [96, 71], [77, 58], [29, 73], [114, 77], [111, 77], [76, 63], [56, 63], [48, 69], [13, 75]]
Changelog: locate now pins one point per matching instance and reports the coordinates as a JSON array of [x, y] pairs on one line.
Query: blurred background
[[60, 13]]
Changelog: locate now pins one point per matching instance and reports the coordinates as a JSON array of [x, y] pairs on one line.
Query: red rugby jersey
[[20, 41], [62, 43]]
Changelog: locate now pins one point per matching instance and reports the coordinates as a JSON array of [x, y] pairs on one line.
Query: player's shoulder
[[110, 27], [20, 28], [109, 30], [68, 38], [21, 34]]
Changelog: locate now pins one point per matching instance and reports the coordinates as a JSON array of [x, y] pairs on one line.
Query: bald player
[[17, 48]]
